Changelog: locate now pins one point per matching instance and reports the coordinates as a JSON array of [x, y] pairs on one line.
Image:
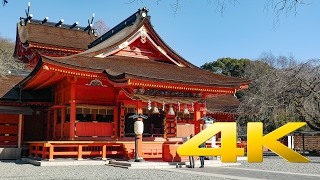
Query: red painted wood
[[94, 129], [9, 119], [66, 129], [58, 130], [8, 138], [8, 129]]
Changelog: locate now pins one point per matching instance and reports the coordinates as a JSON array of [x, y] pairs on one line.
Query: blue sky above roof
[[197, 32]]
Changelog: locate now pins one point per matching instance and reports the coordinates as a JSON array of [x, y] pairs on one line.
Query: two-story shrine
[[82, 90]]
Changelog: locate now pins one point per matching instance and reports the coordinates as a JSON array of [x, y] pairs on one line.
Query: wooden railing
[[149, 150], [50, 150], [83, 149]]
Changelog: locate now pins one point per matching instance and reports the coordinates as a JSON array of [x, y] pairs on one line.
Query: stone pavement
[[213, 168], [245, 174]]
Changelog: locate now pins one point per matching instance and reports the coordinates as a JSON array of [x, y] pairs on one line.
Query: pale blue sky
[[197, 32]]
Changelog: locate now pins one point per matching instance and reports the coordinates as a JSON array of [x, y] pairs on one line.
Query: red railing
[[49, 150]]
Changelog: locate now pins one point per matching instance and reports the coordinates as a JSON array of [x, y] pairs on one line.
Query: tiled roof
[[49, 34], [146, 69], [8, 83], [226, 103], [125, 30]]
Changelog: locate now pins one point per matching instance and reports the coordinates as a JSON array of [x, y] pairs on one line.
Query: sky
[[198, 31]]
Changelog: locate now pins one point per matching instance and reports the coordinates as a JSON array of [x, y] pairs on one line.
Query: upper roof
[[136, 26], [115, 54], [37, 32]]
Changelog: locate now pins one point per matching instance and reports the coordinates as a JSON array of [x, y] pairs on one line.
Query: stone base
[[10, 153]]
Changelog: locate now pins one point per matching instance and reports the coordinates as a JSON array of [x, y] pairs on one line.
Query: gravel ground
[[276, 163], [20, 170]]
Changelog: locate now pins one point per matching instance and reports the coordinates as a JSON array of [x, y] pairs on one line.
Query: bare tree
[[283, 91], [7, 61], [101, 27], [276, 6], [4, 2]]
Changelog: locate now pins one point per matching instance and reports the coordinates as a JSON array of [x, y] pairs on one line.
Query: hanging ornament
[[178, 106], [163, 103], [149, 105]]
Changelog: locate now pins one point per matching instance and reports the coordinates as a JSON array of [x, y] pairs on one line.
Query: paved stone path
[[246, 174]]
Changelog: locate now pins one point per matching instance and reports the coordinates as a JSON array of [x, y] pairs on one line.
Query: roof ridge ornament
[[24, 21], [89, 27], [143, 12], [143, 36]]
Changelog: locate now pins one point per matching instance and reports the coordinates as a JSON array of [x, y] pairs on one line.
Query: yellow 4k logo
[[255, 142]]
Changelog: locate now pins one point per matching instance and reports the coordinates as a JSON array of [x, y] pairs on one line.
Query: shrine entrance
[[153, 126]]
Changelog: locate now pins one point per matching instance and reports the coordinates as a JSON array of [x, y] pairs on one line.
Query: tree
[[277, 6], [101, 27], [227, 66], [7, 61], [282, 90], [4, 2]]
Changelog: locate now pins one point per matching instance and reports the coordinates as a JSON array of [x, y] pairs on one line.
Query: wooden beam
[[72, 110], [197, 116], [20, 131], [55, 120], [63, 119], [48, 81], [48, 124]]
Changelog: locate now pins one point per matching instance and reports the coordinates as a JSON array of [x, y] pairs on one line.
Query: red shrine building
[[82, 90]]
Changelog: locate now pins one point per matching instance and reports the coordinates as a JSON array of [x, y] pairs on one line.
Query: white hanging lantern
[[178, 106], [155, 109], [171, 111], [185, 110], [138, 127]]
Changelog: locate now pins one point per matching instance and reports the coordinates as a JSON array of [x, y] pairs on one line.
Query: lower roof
[[26, 110], [118, 67]]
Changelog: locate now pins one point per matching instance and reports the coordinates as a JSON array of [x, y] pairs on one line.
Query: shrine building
[[80, 90]]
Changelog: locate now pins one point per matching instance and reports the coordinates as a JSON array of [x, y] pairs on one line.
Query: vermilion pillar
[[55, 120], [197, 116], [48, 124], [63, 119], [72, 110], [116, 121]]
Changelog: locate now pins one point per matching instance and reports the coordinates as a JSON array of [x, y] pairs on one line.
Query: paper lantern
[[138, 127]]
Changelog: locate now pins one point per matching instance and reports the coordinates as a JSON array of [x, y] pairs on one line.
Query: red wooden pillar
[[197, 116], [202, 113], [63, 119], [55, 120], [139, 111], [72, 110], [48, 124], [20, 130], [116, 121]]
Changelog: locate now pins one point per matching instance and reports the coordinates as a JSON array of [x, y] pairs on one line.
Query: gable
[[142, 45]]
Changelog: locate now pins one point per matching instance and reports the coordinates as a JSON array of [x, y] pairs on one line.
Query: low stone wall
[[310, 142], [10, 153]]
